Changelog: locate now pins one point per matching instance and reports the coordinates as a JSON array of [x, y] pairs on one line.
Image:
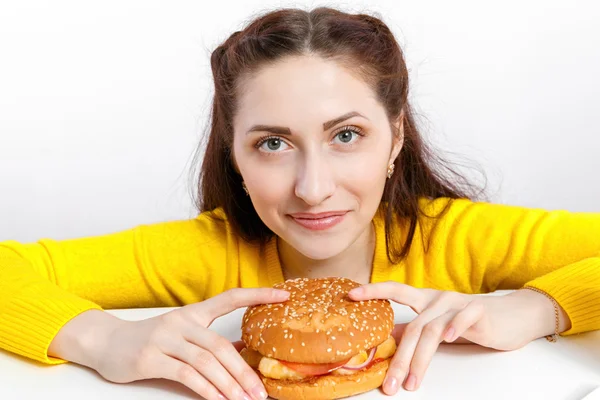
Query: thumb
[[232, 299]]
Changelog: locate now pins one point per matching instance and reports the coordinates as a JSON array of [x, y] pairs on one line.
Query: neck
[[354, 263]]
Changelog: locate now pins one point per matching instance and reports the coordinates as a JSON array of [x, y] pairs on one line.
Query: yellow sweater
[[473, 248]]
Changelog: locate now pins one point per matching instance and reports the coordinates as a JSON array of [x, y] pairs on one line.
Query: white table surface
[[566, 370]]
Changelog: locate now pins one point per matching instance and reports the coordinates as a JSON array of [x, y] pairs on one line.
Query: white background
[[103, 103]]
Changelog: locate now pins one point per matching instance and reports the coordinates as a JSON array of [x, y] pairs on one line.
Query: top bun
[[318, 323]]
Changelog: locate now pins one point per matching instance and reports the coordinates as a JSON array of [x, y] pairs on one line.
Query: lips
[[319, 221]]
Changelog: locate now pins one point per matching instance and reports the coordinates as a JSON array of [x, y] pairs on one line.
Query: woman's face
[[313, 145]]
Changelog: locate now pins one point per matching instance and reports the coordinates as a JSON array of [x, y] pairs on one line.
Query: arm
[[486, 247], [44, 285]]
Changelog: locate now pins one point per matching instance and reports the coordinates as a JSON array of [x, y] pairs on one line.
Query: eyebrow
[[281, 130]]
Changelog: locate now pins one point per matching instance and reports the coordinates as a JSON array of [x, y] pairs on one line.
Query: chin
[[319, 247]]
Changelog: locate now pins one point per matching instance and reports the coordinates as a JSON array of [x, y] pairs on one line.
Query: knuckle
[[398, 367], [477, 305], [249, 377], [185, 373], [144, 362], [172, 318], [453, 299], [413, 330], [220, 345], [433, 331], [235, 297], [203, 359], [158, 334]]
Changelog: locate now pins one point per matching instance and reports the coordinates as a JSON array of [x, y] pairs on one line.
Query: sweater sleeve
[[485, 247], [45, 284]]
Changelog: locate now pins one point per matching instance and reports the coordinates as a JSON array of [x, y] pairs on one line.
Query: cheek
[[269, 186], [365, 181], [364, 171]]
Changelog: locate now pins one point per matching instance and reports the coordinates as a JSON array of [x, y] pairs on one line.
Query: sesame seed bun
[[327, 387], [318, 324]]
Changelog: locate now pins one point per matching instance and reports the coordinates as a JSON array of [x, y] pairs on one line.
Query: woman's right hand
[[179, 346]]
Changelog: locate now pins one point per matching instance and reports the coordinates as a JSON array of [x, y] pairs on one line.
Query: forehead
[[300, 89]]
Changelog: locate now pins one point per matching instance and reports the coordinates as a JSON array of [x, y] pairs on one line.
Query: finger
[[239, 345], [209, 367], [178, 371], [431, 337], [410, 296], [411, 332], [398, 331], [464, 320], [227, 355], [233, 299]]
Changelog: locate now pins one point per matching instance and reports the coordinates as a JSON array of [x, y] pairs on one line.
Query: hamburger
[[319, 344]]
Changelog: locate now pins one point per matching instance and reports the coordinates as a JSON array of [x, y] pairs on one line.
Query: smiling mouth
[[319, 221]]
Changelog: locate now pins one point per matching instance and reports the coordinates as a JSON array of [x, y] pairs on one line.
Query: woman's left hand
[[500, 322]]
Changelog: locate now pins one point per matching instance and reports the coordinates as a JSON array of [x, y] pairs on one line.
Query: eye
[[347, 135], [272, 144]]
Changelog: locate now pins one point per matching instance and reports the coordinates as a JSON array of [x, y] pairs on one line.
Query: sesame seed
[[329, 350], [274, 349], [333, 338], [302, 343]]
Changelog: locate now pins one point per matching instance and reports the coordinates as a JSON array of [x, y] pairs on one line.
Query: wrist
[[547, 317], [83, 338]]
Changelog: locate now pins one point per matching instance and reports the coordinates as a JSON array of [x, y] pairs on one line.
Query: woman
[[314, 167]]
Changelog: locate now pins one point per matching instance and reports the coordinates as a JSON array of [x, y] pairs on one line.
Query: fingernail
[[411, 382], [281, 293], [221, 397], [390, 385], [449, 334], [357, 291], [246, 397], [259, 392]]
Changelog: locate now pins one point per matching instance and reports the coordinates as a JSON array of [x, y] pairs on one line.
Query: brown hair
[[366, 41]]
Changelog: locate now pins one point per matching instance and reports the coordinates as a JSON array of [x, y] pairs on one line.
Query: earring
[[245, 188], [390, 170]]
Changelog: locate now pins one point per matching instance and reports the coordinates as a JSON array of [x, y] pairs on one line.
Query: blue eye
[[272, 144], [347, 135]]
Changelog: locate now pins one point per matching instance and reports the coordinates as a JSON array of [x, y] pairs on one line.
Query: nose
[[315, 182]]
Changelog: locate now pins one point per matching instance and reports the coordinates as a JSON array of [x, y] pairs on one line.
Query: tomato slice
[[313, 369]]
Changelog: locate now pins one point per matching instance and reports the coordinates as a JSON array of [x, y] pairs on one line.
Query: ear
[[397, 137]]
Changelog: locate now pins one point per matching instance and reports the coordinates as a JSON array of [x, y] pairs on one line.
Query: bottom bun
[[327, 387]]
